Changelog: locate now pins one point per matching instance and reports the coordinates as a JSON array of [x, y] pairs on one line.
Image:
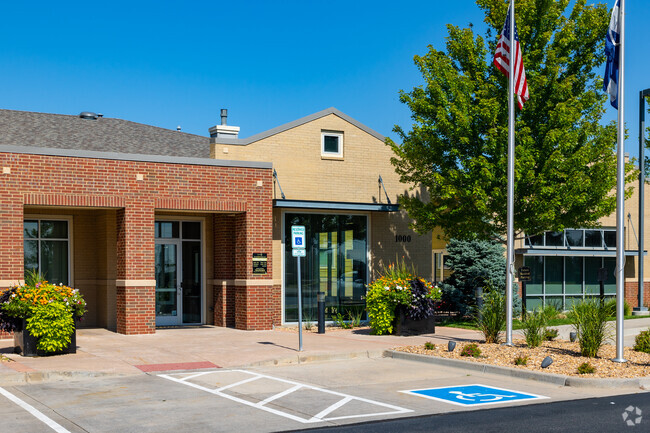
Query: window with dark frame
[[46, 249]]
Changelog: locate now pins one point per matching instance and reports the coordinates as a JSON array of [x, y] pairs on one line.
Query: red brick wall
[[136, 310], [224, 269], [632, 293], [259, 305], [11, 235], [239, 302], [41, 180]]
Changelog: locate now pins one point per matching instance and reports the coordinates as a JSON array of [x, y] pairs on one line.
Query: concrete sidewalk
[[102, 352]]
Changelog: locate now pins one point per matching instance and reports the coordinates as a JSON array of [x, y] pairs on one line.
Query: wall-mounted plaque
[[260, 264]]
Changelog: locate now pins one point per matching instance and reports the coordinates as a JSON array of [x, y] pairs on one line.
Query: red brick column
[[11, 239], [224, 270], [258, 306], [243, 298], [257, 301], [136, 283]]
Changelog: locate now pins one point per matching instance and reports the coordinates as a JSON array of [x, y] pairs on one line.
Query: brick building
[[139, 219], [565, 265], [332, 175], [162, 228]]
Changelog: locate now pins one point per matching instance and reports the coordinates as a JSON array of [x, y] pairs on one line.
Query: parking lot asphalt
[[277, 398]]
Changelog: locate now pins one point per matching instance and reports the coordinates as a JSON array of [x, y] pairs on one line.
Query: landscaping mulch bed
[[566, 358]]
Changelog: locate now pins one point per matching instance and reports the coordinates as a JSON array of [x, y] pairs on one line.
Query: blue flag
[[612, 51]]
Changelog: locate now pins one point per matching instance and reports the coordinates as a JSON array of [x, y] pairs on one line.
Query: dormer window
[[331, 144]]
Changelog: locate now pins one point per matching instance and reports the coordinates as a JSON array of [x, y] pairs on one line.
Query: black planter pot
[[25, 343], [403, 325]]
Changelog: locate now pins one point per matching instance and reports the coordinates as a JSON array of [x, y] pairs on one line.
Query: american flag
[[502, 61]]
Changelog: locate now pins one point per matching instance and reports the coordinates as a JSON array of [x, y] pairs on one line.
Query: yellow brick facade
[[304, 174]]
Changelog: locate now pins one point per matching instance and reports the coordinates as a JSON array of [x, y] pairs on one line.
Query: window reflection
[[335, 265]]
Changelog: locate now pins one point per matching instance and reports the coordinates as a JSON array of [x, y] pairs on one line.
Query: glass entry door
[[167, 284], [178, 273]]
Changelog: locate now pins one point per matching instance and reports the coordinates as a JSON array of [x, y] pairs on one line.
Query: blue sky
[[170, 63]]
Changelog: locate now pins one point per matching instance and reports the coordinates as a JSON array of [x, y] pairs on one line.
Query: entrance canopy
[[335, 205]]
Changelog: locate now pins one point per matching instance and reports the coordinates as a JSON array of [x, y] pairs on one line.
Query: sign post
[[524, 276], [298, 251], [602, 276]]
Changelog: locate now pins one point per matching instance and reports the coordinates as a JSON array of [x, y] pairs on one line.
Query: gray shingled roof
[[25, 128]]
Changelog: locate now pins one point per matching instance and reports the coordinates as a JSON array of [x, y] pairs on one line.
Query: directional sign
[[297, 236], [473, 395], [524, 273]]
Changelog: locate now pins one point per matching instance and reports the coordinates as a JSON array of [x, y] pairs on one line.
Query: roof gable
[[295, 123]]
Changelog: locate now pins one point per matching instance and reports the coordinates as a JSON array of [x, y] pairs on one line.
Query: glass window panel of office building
[[562, 280], [335, 265], [46, 246]]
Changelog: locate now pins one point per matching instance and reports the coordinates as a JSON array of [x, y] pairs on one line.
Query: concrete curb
[[555, 379], [18, 378], [22, 378]]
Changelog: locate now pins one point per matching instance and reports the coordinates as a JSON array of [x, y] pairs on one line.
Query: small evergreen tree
[[474, 263]]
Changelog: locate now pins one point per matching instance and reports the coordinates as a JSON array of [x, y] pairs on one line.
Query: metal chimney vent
[[88, 115]]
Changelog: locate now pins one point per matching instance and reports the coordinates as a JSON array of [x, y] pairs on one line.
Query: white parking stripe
[[196, 375], [278, 395], [233, 398], [241, 382], [321, 416], [39, 415]]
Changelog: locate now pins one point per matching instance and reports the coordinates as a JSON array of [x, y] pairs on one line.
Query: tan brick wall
[[392, 240], [305, 175]]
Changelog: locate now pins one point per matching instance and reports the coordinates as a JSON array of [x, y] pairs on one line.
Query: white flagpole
[[620, 189], [511, 177]]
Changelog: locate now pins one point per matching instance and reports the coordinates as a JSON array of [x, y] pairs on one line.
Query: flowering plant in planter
[[49, 311], [397, 286]]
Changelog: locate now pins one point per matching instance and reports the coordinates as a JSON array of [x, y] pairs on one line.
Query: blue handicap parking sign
[[473, 395]]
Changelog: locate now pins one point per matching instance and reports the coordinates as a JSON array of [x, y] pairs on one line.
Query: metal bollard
[[321, 312]]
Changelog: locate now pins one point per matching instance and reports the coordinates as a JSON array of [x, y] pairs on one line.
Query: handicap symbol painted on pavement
[[473, 395]]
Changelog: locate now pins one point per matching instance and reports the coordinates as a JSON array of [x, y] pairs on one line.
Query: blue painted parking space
[[474, 395]]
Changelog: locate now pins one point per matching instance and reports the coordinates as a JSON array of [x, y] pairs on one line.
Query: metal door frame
[[179, 263]]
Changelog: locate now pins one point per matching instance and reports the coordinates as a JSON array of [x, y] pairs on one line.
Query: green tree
[[457, 147], [475, 264]]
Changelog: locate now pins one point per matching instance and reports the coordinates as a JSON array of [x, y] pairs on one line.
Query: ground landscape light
[[547, 361], [451, 346], [572, 336]]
